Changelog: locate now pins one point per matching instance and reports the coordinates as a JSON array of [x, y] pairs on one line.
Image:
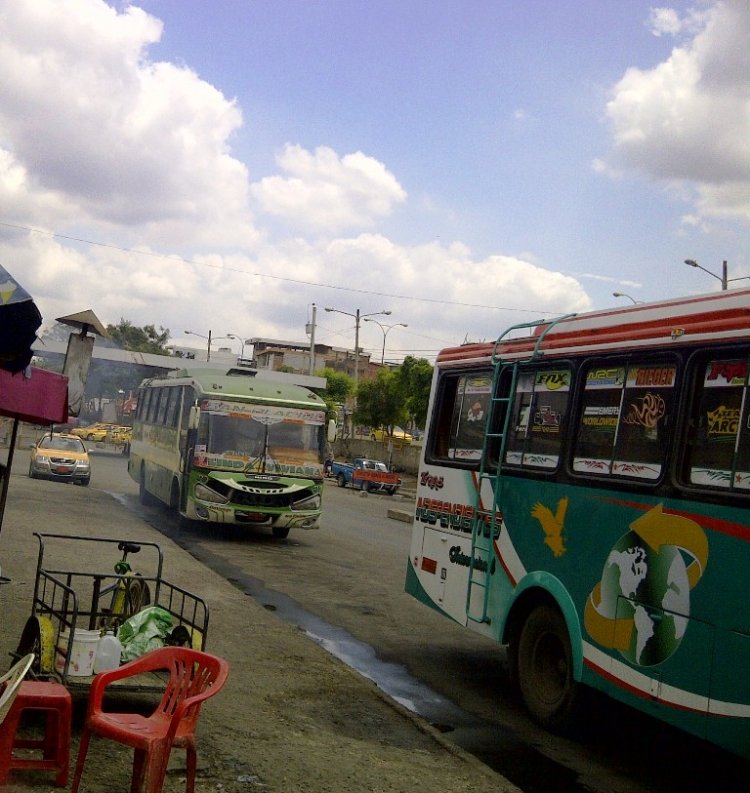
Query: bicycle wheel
[[136, 596], [130, 598]]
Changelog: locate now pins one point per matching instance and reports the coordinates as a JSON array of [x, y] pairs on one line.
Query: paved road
[[350, 574]]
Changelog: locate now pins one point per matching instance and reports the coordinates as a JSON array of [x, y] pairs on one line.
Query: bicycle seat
[[128, 547]]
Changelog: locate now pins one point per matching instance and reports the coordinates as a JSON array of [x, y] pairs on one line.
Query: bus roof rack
[[719, 316]]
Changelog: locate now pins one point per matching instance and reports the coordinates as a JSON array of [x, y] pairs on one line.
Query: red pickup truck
[[370, 475]]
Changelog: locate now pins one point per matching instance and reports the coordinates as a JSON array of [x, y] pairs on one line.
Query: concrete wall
[[402, 459]]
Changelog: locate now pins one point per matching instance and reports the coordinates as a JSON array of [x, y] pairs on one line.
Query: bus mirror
[[195, 415], [331, 431]]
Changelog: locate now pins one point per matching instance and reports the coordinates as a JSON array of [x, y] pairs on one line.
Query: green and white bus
[[584, 498], [239, 446]]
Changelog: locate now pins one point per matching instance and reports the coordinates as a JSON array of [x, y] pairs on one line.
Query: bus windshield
[[257, 439]]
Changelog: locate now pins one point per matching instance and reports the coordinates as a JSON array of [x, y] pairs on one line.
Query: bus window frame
[[695, 368], [439, 417], [534, 368], [628, 360]]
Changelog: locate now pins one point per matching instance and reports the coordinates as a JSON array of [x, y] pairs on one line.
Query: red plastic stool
[[55, 700]]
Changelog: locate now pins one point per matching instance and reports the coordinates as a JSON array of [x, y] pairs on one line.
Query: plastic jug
[[108, 651]]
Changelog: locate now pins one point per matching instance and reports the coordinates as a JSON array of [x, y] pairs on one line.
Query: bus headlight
[[206, 494], [311, 502]]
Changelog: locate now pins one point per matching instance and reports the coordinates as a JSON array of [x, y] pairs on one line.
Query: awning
[[36, 396], [41, 398], [19, 320]]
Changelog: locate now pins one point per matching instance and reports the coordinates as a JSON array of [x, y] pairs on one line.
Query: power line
[[225, 268]]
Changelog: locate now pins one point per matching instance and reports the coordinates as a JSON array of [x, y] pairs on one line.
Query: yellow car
[[120, 436], [399, 436], [94, 432], [60, 456]]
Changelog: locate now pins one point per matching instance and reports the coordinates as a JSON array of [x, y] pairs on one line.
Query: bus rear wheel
[[545, 669]]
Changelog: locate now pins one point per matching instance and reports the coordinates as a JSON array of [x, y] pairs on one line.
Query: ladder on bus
[[487, 519]]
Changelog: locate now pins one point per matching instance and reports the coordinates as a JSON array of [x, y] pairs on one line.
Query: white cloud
[[688, 119], [664, 21], [321, 190], [102, 143], [101, 133]]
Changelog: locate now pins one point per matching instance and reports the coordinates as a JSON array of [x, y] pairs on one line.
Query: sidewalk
[[291, 719]]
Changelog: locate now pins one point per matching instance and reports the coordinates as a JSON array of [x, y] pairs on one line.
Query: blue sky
[[465, 165]]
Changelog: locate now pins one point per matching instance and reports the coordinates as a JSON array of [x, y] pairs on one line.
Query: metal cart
[[87, 600]]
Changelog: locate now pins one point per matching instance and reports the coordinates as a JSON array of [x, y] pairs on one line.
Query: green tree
[[127, 336], [381, 402], [339, 386], [416, 381]]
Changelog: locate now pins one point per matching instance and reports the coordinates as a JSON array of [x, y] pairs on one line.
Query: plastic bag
[[144, 631]]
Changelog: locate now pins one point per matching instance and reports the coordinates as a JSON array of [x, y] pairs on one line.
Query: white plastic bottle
[[108, 650]]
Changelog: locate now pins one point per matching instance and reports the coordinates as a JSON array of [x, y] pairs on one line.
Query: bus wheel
[[545, 669], [280, 532], [341, 480], [174, 496]]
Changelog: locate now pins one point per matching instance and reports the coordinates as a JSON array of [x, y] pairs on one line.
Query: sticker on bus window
[[721, 434]]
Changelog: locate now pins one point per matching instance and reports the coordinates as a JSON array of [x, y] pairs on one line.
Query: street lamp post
[[386, 329], [723, 277], [357, 317], [242, 344], [623, 294], [207, 338]]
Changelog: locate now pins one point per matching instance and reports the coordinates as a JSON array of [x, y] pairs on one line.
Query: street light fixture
[[622, 294], [386, 329], [357, 317], [723, 277], [242, 344], [207, 338]]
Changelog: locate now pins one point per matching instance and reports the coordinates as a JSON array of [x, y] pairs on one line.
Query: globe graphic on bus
[[636, 573]]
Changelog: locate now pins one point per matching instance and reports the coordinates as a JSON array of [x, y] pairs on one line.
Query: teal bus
[[584, 498], [240, 446]]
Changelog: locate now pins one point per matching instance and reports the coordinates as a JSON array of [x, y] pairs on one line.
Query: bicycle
[[56, 602], [129, 593]]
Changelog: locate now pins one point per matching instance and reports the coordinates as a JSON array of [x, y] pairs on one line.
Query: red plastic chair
[[193, 677]]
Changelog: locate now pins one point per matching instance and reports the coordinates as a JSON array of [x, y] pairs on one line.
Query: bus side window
[[538, 418], [624, 421], [461, 417], [717, 457]]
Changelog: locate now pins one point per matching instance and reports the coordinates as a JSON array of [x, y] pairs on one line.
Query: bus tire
[[280, 532], [174, 496], [341, 480], [545, 669]]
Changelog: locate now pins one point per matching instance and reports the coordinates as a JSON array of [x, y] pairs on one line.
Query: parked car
[[94, 432], [62, 456], [101, 431], [399, 435]]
